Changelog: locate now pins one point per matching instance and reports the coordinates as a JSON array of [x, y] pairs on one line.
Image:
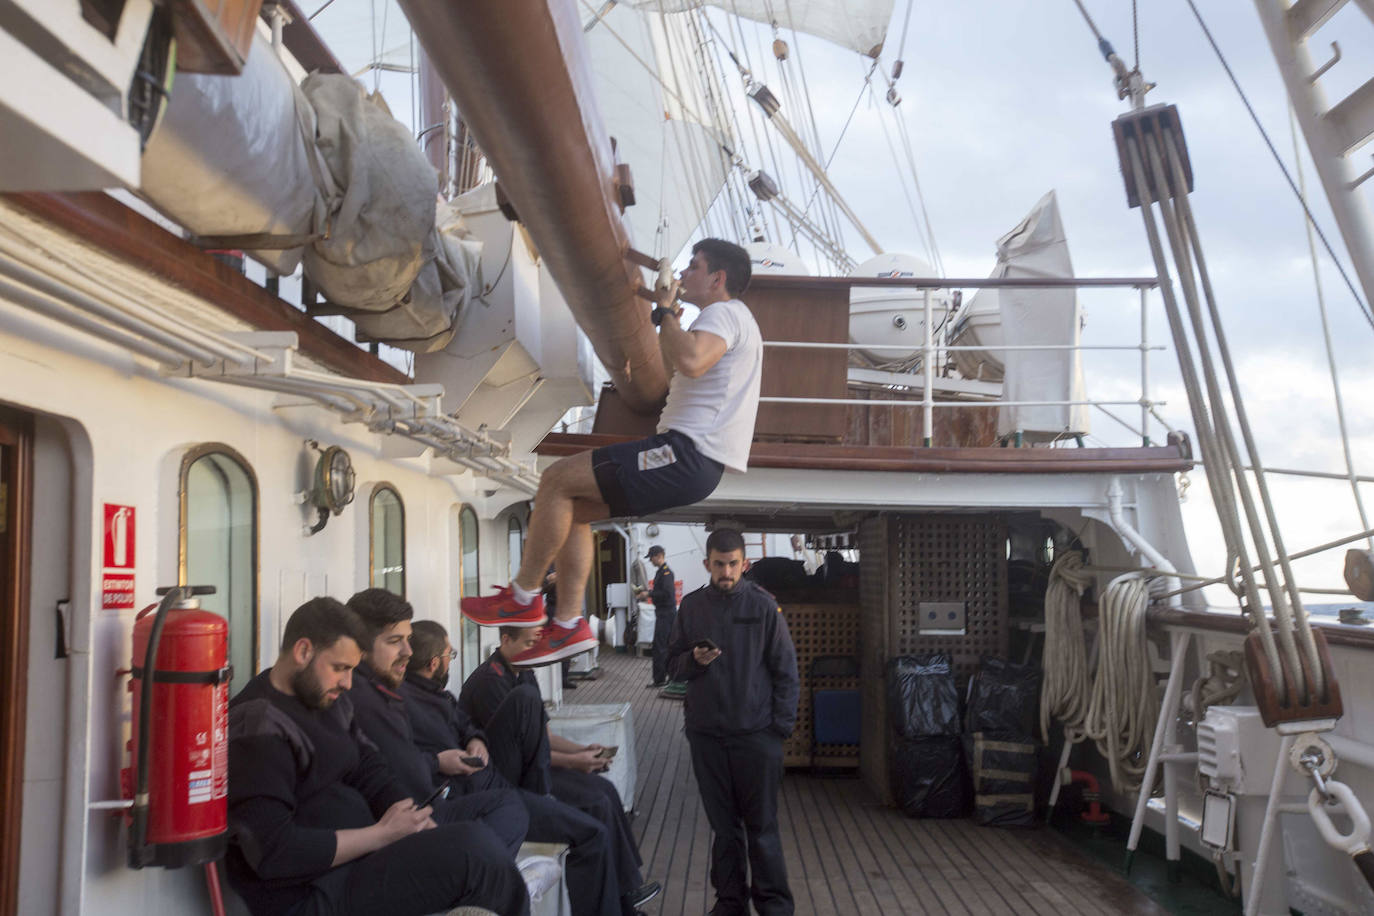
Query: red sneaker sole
[[556, 655], [475, 610]]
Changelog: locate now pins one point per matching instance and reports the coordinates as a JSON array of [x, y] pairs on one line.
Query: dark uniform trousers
[[432, 871], [596, 796], [739, 777], [519, 742], [663, 634]]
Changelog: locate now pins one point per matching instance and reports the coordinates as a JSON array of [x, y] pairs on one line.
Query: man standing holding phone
[[731, 645]]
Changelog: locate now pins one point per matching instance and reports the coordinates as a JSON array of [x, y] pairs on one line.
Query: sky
[[1006, 100]]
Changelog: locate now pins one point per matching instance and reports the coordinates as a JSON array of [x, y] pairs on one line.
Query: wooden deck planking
[[845, 853]]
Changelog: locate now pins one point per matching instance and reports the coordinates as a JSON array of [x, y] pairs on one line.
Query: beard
[[308, 689], [394, 675], [441, 680], [724, 585]]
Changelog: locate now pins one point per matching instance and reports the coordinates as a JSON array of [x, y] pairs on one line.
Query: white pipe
[[81, 292], [990, 402], [34, 302], [1349, 749], [1115, 495], [1179, 641], [91, 307], [1337, 170], [1271, 814]]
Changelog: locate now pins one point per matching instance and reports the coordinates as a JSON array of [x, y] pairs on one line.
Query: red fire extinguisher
[[178, 775]]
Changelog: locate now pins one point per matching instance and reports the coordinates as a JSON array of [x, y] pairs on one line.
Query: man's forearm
[[356, 843]]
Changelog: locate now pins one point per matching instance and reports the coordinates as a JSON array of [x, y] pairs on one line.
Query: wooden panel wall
[[954, 427], [819, 629], [817, 315], [875, 559]]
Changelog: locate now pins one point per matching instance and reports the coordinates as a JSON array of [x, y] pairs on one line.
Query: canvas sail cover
[[1037, 248], [230, 158], [403, 272], [676, 160], [860, 25]]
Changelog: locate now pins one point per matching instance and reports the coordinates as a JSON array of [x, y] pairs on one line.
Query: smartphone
[[435, 795], [473, 761], [608, 752], [704, 644]]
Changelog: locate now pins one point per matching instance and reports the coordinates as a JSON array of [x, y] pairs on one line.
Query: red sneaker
[[500, 610], [556, 643]]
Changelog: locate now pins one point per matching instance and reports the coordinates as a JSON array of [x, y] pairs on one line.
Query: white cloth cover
[[607, 724], [387, 251], [229, 157], [860, 25], [381, 221], [1037, 248]]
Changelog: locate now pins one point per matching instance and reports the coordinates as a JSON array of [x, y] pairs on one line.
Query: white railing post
[[928, 366], [1144, 370]]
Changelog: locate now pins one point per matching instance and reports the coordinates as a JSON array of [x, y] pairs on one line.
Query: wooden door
[[16, 495]]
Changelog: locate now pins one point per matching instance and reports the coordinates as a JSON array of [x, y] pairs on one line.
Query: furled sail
[[860, 25]]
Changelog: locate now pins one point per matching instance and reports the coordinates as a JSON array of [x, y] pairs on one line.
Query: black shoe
[[656, 685], [643, 894], [569, 685]]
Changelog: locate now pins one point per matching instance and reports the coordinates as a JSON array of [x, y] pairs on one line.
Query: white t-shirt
[[717, 410]]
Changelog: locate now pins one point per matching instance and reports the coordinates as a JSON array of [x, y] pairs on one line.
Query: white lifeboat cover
[[1037, 247], [770, 258]]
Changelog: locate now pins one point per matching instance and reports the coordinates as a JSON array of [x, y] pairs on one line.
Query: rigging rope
[[1364, 309], [1117, 706], [1326, 333], [1067, 684], [1123, 708]]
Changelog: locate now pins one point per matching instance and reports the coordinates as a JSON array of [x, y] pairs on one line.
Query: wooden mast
[[517, 70]]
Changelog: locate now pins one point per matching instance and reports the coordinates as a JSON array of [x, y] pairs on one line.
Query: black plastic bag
[[1004, 697], [778, 573], [922, 697], [1004, 771], [929, 777]]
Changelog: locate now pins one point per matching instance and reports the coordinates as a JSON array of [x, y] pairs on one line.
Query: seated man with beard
[[383, 717], [318, 823], [439, 723]]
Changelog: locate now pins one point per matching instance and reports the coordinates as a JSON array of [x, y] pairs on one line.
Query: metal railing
[[932, 352]]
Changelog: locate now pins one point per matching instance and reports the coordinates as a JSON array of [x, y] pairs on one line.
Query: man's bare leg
[[568, 499], [574, 562]]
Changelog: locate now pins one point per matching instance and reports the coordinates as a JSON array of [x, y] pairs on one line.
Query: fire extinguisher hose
[[138, 838]]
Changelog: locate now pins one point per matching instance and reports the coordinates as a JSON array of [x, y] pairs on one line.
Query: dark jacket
[[664, 591], [381, 713], [752, 685], [296, 775], [488, 685], [436, 720]]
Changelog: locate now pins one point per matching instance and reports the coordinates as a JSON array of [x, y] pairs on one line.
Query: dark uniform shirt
[[296, 775], [753, 684], [489, 685], [381, 713], [436, 719], [664, 591]]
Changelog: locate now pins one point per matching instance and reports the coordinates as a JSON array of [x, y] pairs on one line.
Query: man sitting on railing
[[706, 426], [318, 822]]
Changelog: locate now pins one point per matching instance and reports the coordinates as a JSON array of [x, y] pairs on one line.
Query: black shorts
[[649, 475]]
